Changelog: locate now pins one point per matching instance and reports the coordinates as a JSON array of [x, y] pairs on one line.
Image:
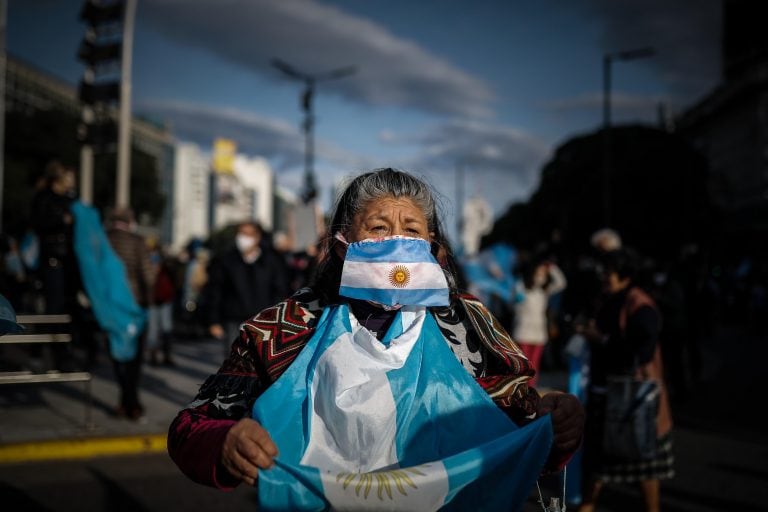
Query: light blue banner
[[106, 284]]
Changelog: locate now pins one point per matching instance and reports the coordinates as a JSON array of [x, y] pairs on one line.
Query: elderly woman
[[352, 373]]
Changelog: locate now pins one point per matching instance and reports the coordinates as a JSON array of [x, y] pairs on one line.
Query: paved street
[[721, 449]]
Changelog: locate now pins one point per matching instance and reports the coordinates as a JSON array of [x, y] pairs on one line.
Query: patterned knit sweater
[[270, 341]]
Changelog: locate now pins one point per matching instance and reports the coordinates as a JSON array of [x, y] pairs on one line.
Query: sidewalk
[[49, 420]]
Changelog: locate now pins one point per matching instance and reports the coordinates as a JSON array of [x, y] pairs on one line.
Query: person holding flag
[[380, 387]]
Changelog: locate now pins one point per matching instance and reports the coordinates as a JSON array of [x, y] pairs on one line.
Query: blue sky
[[492, 85]]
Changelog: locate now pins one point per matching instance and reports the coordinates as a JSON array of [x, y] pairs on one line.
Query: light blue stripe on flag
[[399, 249], [392, 296]]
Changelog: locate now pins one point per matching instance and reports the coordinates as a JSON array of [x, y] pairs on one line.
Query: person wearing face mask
[[241, 281], [381, 384], [540, 280]]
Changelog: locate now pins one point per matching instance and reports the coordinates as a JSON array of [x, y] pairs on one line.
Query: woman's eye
[[378, 228]]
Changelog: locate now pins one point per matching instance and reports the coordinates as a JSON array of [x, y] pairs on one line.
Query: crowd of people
[[618, 312], [188, 295]]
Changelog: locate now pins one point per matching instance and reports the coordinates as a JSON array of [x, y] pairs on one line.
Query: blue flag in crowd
[[490, 273], [396, 424], [106, 284]]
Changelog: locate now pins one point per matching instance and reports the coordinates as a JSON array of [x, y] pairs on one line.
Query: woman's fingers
[[247, 447], [261, 437], [242, 468]]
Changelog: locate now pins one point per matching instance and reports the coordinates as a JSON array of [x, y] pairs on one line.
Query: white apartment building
[[190, 195], [247, 193]]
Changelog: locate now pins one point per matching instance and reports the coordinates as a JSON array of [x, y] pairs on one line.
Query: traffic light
[[93, 94], [96, 12], [99, 134], [101, 52], [94, 54]]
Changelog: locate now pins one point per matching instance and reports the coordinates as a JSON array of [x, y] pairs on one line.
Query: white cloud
[[484, 147], [499, 163], [274, 139], [317, 38]]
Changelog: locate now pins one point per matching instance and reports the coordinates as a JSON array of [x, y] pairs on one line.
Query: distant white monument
[[477, 221]]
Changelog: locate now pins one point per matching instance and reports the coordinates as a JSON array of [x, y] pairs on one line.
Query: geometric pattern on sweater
[[276, 334], [494, 336], [270, 341]]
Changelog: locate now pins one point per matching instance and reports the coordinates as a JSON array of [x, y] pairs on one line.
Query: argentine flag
[[106, 284], [397, 424], [393, 270]]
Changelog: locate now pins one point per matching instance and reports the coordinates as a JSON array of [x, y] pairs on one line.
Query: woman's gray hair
[[360, 191], [379, 184]]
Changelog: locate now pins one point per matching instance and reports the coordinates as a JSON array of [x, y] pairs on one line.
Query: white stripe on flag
[[352, 423], [420, 276], [421, 488]]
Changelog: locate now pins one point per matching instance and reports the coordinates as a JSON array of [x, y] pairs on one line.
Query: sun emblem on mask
[[399, 276]]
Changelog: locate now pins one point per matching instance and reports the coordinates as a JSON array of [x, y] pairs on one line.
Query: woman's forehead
[[390, 207]]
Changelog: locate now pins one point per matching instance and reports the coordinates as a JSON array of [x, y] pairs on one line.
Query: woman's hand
[[567, 420], [247, 448]]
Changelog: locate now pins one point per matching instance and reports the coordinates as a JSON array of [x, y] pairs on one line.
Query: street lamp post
[[307, 96], [608, 59]]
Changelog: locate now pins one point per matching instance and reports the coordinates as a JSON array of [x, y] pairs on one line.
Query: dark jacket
[[236, 290], [47, 215], [131, 248]]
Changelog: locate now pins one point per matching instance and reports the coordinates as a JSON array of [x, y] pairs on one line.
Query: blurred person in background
[[540, 279], [246, 278], [131, 248], [624, 340], [192, 275], [52, 220], [13, 278], [160, 319]]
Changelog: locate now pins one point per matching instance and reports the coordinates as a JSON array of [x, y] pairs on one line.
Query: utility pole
[[608, 59], [307, 97], [124, 123], [106, 47], [3, 18]]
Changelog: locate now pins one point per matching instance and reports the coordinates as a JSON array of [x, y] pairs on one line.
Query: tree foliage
[[658, 195]]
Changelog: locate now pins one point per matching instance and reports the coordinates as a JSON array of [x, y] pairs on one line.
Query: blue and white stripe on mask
[[393, 271]]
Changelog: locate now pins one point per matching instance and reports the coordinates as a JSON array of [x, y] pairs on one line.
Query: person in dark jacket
[[51, 218], [244, 279], [52, 221], [131, 248]]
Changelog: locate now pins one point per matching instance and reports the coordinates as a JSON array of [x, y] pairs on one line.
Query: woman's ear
[[340, 249]]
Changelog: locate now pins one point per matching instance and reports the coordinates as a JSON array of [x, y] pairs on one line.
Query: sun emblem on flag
[[383, 481], [399, 276]]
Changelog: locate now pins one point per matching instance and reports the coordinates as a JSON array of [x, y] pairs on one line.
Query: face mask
[[245, 243], [393, 271]]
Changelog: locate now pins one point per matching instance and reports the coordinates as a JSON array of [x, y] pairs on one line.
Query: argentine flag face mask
[[393, 271]]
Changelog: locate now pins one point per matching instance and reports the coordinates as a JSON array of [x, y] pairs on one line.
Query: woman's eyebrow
[[377, 216]]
